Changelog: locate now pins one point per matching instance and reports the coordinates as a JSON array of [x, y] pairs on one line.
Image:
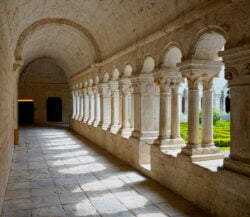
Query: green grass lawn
[[221, 134]]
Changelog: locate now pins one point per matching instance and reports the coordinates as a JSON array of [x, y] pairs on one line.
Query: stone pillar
[[165, 111], [97, 106], [193, 114], [169, 80], [144, 91], [237, 72], [101, 105], [77, 105], [175, 115], [132, 107], [105, 105], [73, 104], [91, 106], [199, 71], [126, 89], [82, 104], [86, 105], [80, 117], [207, 112], [115, 106]]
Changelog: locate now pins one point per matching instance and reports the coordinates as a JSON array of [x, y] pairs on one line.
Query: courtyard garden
[[221, 131]]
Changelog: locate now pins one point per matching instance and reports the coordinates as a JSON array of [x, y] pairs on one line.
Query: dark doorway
[[25, 112], [54, 109]]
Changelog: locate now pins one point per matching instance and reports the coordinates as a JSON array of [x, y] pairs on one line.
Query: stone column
[[77, 105], [73, 104], [105, 105], [115, 106], [169, 80], [144, 91], [175, 115], [80, 105], [97, 107], [86, 105], [193, 116], [198, 71], [237, 72], [101, 105], [126, 89], [207, 112], [132, 107], [91, 106], [165, 111]]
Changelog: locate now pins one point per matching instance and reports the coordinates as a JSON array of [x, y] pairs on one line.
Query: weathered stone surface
[[95, 38], [104, 186]]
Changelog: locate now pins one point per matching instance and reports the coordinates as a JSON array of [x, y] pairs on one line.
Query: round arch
[[212, 37], [115, 74], [128, 70], [168, 50], [172, 55], [24, 67], [148, 64]]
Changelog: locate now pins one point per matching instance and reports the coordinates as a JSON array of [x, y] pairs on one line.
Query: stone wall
[[8, 92], [221, 193]]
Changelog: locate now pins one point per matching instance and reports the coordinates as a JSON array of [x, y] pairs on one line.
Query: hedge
[[221, 133]]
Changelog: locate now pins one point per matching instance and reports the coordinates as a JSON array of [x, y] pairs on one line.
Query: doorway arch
[[25, 111], [54, 109]]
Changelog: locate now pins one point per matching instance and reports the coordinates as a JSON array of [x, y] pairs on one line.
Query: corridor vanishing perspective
[[152, 91], [56, 173]]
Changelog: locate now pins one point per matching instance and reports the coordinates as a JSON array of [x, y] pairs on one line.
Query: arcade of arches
[[116, 68]]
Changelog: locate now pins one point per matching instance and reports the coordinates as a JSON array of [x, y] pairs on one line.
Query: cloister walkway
[[56, 173]]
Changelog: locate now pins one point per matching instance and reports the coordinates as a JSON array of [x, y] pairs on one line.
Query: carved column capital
[[193, 80], [207, 80], [85, 91], [126, 86], [80, 93], [114, 87], [144, 84], [231, 73], [237, 65], [95, 89], [90, 91], [104, 89]]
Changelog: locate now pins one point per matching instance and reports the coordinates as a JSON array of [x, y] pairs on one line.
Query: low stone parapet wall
[[222, 193]]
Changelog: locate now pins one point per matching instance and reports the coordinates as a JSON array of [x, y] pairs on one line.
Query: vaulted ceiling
[[78, 33]]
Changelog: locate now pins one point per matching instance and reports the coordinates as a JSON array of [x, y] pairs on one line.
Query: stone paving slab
[[56, 173]]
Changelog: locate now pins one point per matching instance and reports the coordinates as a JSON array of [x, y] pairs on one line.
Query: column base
[[105, 126], [126, 132], [80, 118], [145, 135], [114, 129], [202, 154], [237, 166], [96, 123], [85, 120], [170, 144], [90, 122]]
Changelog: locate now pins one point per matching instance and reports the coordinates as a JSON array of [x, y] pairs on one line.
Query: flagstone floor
[[56, 173]]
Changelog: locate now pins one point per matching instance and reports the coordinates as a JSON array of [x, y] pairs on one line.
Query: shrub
[[222, 123], [221, 133], [221, 142], [217, 114]]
